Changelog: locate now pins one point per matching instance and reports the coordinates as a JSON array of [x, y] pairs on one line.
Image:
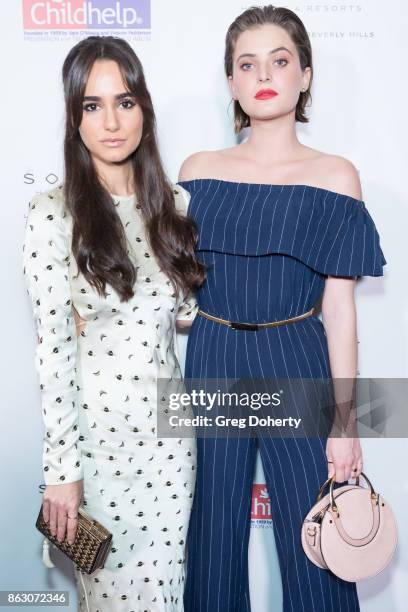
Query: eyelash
[[280, 59], [86, 107]]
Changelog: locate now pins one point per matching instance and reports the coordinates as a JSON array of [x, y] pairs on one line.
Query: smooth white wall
[[358, 95]]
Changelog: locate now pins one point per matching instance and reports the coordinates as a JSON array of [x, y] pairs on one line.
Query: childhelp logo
[[86, 14], [261, 515]]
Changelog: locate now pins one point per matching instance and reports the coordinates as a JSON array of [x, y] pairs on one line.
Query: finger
[[359, 467], [46, 510], [348, 473], [53, 519], [62, 524], [72, 525], [339, 471], [330, 467]]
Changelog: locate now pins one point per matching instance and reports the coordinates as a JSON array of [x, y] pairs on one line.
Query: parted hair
[[99, 240], [255, 17]]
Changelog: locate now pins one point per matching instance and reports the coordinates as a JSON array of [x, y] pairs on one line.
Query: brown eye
[[128, 103], [89, 107]]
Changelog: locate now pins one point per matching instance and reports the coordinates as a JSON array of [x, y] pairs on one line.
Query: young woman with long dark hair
[[280, 226], [112, 251]]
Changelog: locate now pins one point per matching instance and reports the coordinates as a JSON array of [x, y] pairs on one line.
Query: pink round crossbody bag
[[351, 531]]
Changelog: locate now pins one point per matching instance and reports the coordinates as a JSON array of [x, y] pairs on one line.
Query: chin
[[116, 156], [271, 110]]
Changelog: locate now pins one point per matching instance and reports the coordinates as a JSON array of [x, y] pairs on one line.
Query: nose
[[263, 73], [111, 120]]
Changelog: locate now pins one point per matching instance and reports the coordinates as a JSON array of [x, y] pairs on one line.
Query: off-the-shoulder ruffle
[[330, 232]]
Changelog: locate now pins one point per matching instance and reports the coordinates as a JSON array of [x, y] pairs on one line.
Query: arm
[[46, 261], [187, 312], [339, 320], [184, 324], [188, 308]]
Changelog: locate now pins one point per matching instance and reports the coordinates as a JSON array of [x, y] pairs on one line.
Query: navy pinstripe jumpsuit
[[267, 250]]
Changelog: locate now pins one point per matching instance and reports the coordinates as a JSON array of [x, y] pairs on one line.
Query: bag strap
[[374, 495], [334, 511], [358, 541], [324, 485]]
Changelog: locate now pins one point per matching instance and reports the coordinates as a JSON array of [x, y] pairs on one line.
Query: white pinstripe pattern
[[318, 225], [310, 503], [297, 220], [232, 207], [308, 226], [322, 238], [352, 250], [266, 199], [223, 605], [273, 220], [222, 248], [266, 376], [276, 270], [224, 197], [284, 220], [239, 216], [272, 471], [375, 251], [304, 204], [250, 216], [335, 239], [212, 494]]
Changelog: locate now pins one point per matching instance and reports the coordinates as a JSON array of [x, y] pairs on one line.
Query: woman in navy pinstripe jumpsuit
[[272, 247]]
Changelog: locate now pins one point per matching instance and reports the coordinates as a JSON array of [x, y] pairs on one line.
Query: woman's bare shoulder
[[204, 164], [336, 173]]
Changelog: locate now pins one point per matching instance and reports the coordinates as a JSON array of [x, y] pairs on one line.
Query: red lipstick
[[265, 94]]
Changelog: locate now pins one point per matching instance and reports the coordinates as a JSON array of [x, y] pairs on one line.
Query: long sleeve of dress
[[46, 262]]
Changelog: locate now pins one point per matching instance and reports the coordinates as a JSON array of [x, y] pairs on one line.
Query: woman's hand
[[183, 324], [345, 458], [60, 508]]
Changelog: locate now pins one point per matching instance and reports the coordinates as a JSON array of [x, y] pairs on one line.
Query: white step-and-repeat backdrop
[[359, 94]]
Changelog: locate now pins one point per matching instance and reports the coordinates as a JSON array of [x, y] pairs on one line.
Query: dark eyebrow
[[270, 52], [117, 97]]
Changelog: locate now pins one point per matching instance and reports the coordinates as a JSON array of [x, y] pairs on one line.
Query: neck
[[116, 178], [273, 142]]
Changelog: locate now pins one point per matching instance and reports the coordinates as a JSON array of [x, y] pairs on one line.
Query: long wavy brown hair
[[99, 241]]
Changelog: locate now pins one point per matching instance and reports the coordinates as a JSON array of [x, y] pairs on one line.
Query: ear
[[306, 76], [232, 88]]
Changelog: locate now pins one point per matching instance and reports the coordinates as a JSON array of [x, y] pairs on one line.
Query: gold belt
[[254, 326]]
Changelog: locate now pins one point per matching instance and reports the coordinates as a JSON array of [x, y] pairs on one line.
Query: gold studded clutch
[[91, 546]]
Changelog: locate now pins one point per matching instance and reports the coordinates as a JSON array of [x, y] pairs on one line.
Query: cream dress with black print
[[99, 405]]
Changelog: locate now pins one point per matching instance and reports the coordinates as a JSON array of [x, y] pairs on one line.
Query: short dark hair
[[257, 16]]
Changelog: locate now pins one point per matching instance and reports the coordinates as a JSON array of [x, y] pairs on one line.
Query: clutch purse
[[351, 531], [92, 542]]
